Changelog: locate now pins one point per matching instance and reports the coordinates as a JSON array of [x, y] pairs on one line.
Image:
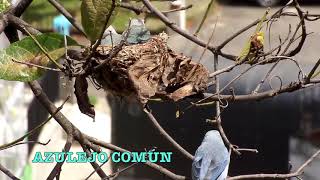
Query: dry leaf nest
[[150, 69]]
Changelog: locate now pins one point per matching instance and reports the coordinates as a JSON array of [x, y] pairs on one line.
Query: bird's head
[[213, 136], [260, 37]]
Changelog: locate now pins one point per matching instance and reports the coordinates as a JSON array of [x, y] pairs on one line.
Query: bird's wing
[[196, 166], [224, 174], [216, 170], [204, 168]]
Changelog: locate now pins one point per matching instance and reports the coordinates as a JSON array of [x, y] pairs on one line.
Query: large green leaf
[[27, 51], [94, 14]]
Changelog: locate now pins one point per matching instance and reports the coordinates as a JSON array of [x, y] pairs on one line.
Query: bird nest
[[150, 69]]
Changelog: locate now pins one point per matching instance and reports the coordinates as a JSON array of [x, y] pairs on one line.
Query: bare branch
[[297, 173], [8, 173], [218, 111], [83, 139], [95, 165], [57, 168], [148, 163], [166, 135], [204, 17], [174, 27]]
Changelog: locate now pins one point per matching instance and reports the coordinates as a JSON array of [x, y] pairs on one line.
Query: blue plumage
[[212, 159]]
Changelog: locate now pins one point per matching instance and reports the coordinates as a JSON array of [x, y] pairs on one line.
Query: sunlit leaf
[[94, 14], [27, 51]]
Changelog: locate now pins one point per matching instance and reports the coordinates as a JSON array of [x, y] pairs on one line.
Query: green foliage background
[[41, 13]]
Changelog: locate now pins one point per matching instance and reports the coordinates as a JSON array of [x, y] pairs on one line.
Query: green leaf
[[4, 4], [94, 14], [27, 51]]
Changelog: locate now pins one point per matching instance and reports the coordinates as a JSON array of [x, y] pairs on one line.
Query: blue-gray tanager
[[138, 33], [211, 161]]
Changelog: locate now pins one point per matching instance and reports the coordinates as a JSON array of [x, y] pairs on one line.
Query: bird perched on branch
[[254, 45], [211, 161]]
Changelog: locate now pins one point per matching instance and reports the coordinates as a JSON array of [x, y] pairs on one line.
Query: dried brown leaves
[[81, 92], [145, 70]]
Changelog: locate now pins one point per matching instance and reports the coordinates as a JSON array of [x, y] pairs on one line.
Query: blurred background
[[284, 129]]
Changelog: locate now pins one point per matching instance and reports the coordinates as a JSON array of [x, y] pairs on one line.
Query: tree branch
[[82, 138], [166, 135], [297, 173], [8, 173], [57, 168]]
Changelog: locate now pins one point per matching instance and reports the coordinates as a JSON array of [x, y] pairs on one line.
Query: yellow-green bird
[[254, 46]]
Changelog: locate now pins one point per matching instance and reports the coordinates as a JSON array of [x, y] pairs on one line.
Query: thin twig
[[35, 65], [220, 71], [174, 27], [115, 174], [148, 163], [298, 172], [312, 72], [30, 142], [95, 170], [218, 111], [44, 51], [204, 17], [57, 168], [8, 173], [177, 9], [203, 52], [95, 165], [166, 135]]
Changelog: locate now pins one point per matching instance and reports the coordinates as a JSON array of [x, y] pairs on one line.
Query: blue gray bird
[[211, 161], [138, 33]]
